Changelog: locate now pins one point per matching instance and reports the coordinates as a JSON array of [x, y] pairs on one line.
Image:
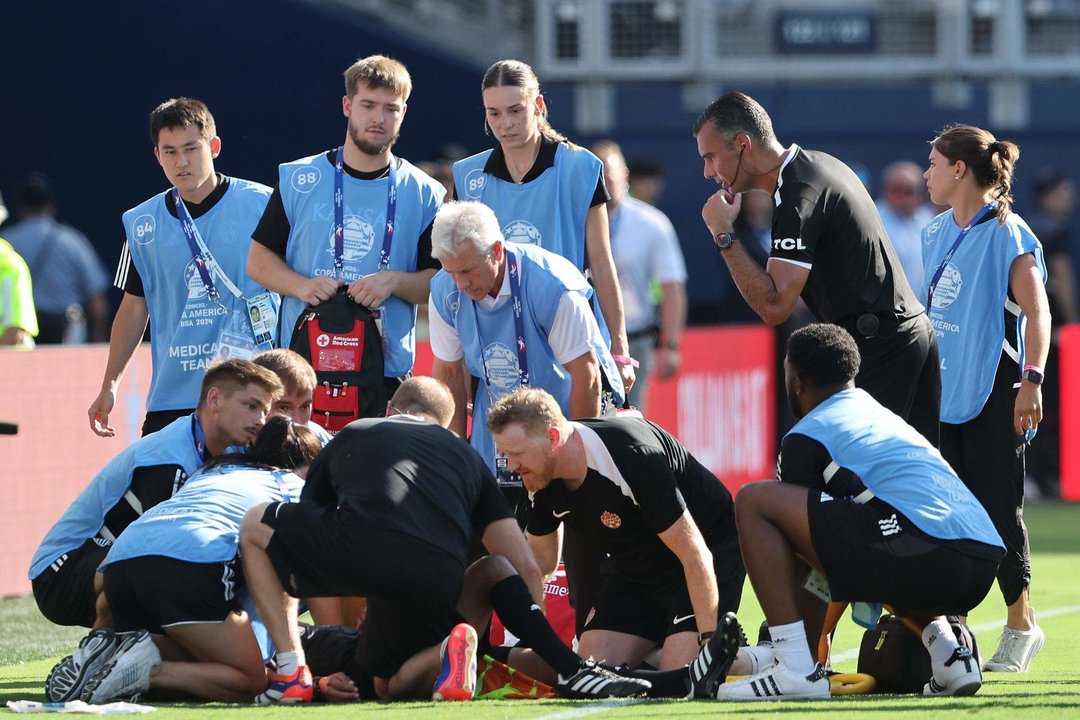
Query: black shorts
[[319, 552], [154, 592], [646, 610], [65, 590], [157, 419], [871, 552], [395, 630], [656, 610]]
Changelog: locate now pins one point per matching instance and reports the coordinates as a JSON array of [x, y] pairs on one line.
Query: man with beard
[[355, 217]]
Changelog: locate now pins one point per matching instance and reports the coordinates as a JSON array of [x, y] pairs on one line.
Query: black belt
[[872, 324]]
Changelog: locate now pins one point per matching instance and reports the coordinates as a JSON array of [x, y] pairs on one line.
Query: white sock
[[789, 642], [289, 662], [939, 640]]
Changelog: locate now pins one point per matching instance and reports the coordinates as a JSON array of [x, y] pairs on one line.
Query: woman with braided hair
[[984, 288]]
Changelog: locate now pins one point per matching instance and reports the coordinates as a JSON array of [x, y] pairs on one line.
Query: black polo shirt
[[826, 221], [640, 479]]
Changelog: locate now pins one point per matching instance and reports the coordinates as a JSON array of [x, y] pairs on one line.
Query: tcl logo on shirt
[[788, 244]]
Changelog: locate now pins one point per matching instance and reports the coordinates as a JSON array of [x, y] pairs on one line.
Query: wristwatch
[[672, 344], [724, 240], [1033, 376]]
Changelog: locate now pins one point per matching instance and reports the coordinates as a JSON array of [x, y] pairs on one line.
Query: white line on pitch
[[853, 653]]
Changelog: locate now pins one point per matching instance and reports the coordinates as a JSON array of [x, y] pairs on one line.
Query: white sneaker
[[777, 682], [126, 674], [959, 675], [1016, 648], [68, 678]]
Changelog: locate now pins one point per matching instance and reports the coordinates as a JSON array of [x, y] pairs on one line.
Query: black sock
[[520, 615], [665, 683]]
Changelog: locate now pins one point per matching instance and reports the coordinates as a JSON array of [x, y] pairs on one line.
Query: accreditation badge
[[235, 340], [503, 475], [264, 319]]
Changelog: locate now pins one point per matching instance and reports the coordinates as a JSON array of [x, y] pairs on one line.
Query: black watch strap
[[724, 240]]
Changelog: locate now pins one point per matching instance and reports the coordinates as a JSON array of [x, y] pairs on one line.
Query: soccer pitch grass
[[29, 646]]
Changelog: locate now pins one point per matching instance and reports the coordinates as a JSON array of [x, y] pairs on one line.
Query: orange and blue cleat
[[457, 678], [295, 688]]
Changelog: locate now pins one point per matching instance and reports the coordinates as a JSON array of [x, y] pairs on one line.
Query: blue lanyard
[[986, 209], [339, 215], [199, 437], [519, 324], [200, 257]]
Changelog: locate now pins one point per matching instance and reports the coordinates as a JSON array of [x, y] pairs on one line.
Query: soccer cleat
[[593, 681], [288, 689], [457, 677], [126, 674], [959, 675], [777, 682], [709, 668], [1016, 648], [68, 678]]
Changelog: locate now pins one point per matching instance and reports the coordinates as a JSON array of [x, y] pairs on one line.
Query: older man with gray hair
[[505, 315]]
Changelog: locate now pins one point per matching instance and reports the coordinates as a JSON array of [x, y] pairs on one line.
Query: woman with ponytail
[[984, 289], [545, 190]]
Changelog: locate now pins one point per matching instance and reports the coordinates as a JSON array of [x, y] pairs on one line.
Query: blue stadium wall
[[80, 78]]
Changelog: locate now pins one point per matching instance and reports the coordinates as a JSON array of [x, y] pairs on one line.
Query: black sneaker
[[709, 668], [593, 681]]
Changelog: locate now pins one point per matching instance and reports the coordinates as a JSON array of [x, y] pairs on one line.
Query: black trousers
[[988, 456], [901, 369]]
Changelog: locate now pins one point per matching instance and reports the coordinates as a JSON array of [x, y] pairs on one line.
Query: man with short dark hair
[[182, 270], [235, 399], [69, 279], [828, 246], [902, 204], [865, 500]]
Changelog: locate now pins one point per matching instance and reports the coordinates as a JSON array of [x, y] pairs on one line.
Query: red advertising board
[[1069, 372], [722, 404], [55, 454]]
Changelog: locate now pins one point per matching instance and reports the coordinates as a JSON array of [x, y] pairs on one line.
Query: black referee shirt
[[409, 476], [826, 221]]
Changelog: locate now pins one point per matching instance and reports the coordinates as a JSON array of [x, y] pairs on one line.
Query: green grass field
[[29, 646]]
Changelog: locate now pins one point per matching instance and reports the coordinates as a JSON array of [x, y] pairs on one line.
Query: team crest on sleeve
[[610, 520], [359, 238], [502, 367], [305, 178], [521, 231], [948, 287], [474, 183], [142, 229]]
